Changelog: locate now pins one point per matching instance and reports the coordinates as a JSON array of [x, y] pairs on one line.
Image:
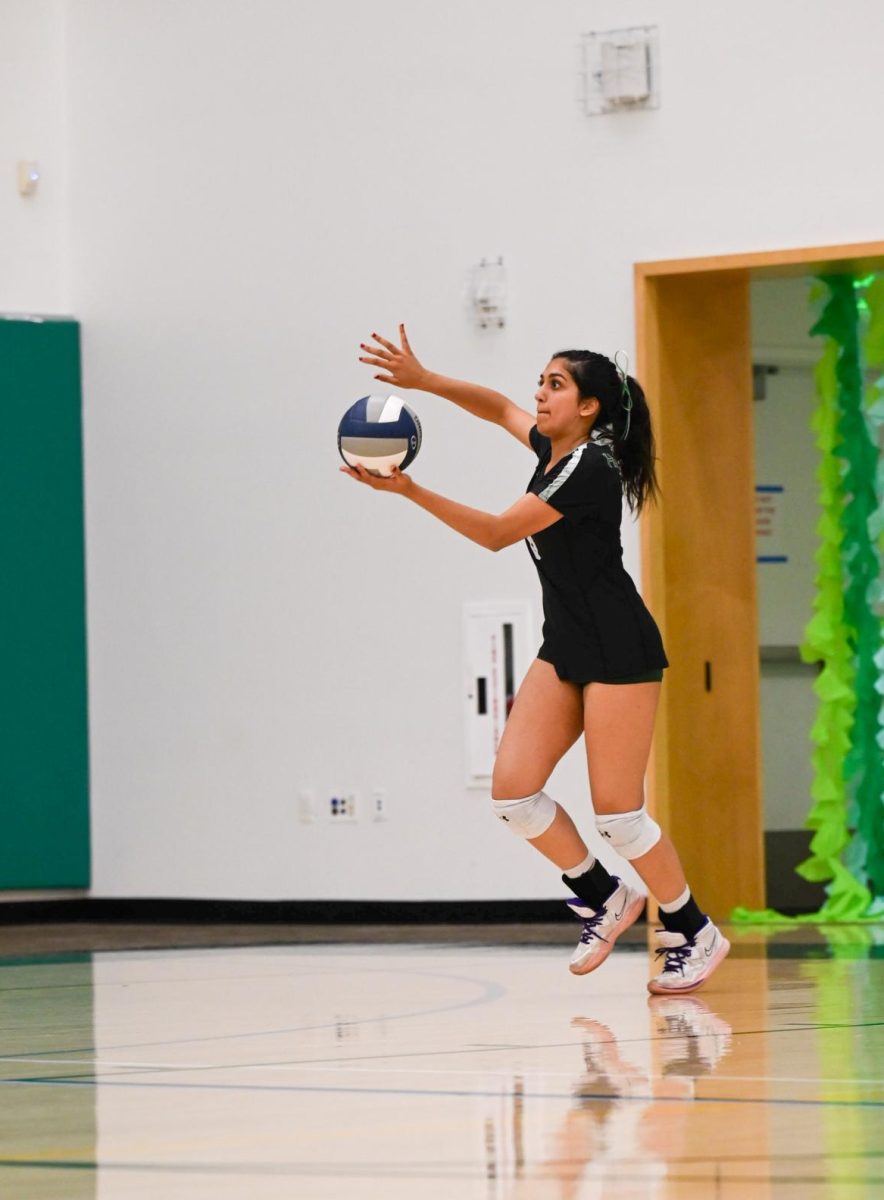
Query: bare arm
[[403, 370], [529, 515]]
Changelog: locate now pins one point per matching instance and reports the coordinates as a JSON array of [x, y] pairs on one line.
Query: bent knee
[[632, 834], [506, 785], [528, 817]]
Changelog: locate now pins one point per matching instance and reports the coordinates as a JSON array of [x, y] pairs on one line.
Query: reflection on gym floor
[[459, 1071]]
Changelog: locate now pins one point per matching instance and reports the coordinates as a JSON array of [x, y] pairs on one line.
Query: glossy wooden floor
[[392, 1071]]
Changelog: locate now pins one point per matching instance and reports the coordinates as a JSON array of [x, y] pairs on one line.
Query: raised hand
[[401, 367]]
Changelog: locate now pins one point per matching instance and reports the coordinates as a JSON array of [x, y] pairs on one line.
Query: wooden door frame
[[657, 284]]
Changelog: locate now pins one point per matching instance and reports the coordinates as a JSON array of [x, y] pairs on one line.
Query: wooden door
[[699, 579]]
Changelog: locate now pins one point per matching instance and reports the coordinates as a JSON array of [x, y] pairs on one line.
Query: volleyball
[[379, 433]]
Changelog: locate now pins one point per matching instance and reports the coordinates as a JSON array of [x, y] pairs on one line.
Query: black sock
[[594, 886], [687, 920]]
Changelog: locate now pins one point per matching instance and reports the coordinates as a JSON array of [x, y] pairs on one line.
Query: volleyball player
[[600, 667]]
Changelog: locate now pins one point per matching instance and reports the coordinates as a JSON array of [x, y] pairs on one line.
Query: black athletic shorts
[[643, 677]]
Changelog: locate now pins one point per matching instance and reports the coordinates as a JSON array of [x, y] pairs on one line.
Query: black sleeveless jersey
[[596, 626]]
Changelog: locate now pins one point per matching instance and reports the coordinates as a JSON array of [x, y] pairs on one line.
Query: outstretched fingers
[[378, 362], [387, 345], [396, 481], [399, 364], [359, 473]]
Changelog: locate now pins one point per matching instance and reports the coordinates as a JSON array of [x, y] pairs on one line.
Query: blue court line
[[769, 487], [453, 1093], [772, 558]]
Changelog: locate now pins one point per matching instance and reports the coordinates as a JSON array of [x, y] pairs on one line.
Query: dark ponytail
[[623, 423]]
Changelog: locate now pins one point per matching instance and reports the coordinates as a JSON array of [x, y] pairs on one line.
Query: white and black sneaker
[[688, 962], [693, 1039], [601, 929]]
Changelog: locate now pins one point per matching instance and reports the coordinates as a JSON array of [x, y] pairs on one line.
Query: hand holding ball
[[379, 433]]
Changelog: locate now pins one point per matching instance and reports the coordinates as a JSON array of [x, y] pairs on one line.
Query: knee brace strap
[[632, 834], [527, 818]]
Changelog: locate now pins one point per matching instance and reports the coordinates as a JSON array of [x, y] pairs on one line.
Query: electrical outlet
[[379, 808], [342, 808]]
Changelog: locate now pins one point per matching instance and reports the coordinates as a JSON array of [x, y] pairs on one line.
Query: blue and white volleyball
[[379, 433]]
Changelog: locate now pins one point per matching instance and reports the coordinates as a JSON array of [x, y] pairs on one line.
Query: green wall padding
[[44, 759]]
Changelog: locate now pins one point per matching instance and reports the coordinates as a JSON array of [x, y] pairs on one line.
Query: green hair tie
[[625, 394]]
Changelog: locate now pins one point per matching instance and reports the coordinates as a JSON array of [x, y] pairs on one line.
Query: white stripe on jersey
[[552, 488]]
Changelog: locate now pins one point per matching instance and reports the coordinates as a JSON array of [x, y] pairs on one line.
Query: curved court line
[[489, 988]]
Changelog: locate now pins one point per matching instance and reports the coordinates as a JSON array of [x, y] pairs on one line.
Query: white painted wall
[[786, 455], [254, 186], [33, 233]]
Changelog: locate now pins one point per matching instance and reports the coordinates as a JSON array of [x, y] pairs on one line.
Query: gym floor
[[288, 1061]]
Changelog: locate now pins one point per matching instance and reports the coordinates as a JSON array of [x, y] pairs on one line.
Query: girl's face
[[561, 411]]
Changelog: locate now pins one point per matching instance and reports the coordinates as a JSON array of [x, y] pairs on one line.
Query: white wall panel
[[33, 230], [254, 186]]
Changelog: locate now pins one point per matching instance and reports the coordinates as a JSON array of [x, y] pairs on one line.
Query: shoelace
[[589, 925], [676, 957]]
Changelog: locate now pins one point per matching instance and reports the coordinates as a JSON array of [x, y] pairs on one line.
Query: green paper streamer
[[863, 765], [845, 632], [870, 800], [827, 637]]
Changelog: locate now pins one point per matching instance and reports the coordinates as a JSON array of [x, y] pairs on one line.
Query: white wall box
[[498, 649]]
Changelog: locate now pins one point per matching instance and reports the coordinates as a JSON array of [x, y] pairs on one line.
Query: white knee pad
[[632, 834], [527, 818]]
